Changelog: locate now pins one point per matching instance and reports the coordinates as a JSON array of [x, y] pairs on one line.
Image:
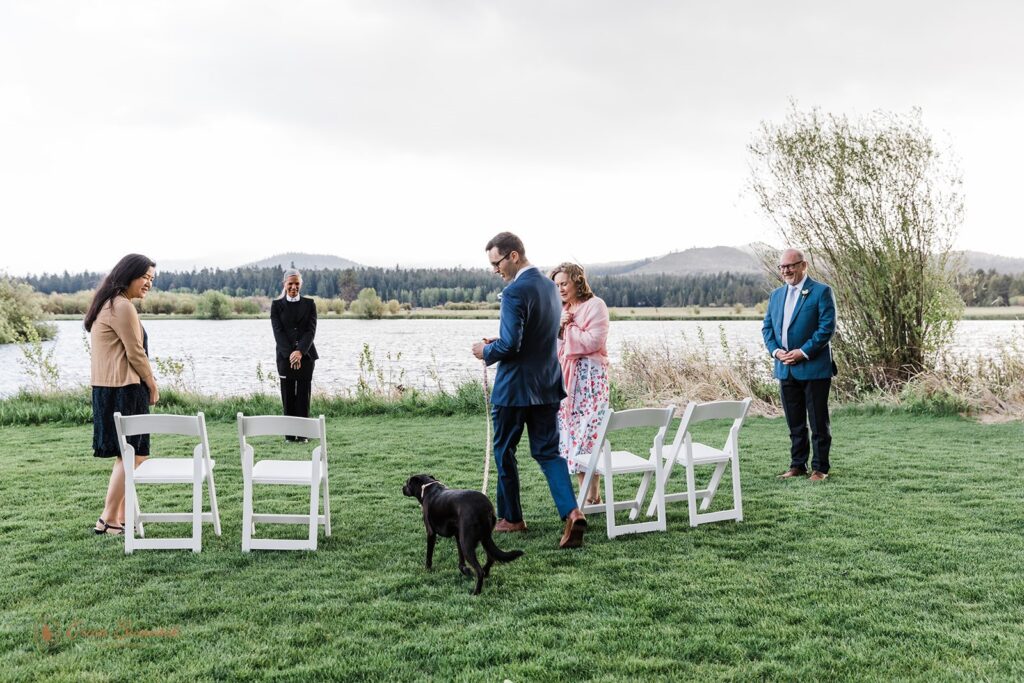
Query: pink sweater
[[585, 336]]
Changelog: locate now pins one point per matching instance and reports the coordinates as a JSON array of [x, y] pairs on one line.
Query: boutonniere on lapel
[[805, 292]]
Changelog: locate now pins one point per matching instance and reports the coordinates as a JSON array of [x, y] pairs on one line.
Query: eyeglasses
[[495, 264], [789, 266]]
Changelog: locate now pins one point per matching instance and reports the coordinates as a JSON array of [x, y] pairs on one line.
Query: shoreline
[[617, 314]]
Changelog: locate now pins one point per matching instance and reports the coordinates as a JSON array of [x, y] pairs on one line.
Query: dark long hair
[[129, 268]]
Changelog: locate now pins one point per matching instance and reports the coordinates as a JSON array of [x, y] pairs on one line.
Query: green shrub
[[161, 303], [21, 314], [368, 304], [213, 305], [246, 306], [67, 304]]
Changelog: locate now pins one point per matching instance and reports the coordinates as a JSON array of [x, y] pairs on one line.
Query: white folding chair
[[311, 472], [607, 462], [689, 454], [163, 470]]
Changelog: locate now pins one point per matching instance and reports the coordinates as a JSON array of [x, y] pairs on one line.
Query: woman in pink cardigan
[[583, 353]]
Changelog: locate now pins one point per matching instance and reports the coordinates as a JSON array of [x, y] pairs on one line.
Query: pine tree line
[[425, 287]]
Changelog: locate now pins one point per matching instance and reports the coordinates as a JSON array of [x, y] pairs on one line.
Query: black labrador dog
[[466, 515]]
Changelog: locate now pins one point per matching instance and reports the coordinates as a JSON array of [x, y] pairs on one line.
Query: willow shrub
[[876, 207]]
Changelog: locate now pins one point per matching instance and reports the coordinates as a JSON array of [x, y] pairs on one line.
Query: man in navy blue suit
[[528, 386], [797, 329]]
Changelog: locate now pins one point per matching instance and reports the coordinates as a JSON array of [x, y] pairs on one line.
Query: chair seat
[[624, 462], [284, 472], [702, 455], [169, 471]]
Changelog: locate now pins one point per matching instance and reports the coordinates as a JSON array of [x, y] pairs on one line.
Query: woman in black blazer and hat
[[294, 321]]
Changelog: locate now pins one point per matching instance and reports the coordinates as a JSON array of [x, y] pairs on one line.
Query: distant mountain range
[[1006, 265], [705, 260], [693, 261], [702, 261], [294, 259]]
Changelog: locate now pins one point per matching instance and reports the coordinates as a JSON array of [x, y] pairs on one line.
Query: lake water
[[221, 357]]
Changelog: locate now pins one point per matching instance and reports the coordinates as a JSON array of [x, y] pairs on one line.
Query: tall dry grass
[[989, 387], [691, 370]]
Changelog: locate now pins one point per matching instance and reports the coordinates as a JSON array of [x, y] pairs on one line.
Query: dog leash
[[487, 418]]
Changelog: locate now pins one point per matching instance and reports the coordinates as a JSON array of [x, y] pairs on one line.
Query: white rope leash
[[487, 418]]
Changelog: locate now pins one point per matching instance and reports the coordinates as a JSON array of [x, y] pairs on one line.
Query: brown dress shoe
[[506, 526], [819, 476], [793, 472], [575, 527]]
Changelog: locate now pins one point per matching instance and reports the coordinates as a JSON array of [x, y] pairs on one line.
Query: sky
[[409, 132]]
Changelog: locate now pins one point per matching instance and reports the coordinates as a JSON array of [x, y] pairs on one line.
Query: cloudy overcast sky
[[218, 132]]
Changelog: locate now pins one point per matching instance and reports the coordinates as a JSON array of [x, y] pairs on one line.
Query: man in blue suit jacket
[[797, 329], [528, 386]]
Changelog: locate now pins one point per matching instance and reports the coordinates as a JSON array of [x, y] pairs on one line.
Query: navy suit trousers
[[541, 422], [802, 400]]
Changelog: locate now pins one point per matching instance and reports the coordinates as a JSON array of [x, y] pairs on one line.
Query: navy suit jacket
[[527, 344], [810, 330]]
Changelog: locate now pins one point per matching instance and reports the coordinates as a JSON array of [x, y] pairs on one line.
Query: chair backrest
[[616, 420], [639, 417], [185, 425], [719, 410], [281, 425], [713, 410]]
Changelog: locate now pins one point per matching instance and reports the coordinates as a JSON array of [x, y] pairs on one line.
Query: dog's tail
[[497, 553]]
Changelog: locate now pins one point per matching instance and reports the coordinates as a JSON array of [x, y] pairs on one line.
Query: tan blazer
[[118, 357]]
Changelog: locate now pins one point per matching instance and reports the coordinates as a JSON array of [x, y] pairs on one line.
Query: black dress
[[131, 399]]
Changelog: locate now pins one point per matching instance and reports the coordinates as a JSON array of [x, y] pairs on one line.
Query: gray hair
[[289, 272], [796, 252]]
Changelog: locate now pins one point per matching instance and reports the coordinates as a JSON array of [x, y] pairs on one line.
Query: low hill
[[1006, 265], [701, 261], [303, 261]]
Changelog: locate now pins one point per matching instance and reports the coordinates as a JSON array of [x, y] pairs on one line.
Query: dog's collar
[[429, 483]]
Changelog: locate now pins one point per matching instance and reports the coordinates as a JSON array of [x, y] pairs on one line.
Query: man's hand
[[295, 360], [790, 357], [478, 348]]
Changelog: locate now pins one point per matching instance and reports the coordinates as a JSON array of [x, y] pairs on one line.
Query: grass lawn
[[905, 564]]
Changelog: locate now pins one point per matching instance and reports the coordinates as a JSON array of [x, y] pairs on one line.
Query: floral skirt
[[578, 424]]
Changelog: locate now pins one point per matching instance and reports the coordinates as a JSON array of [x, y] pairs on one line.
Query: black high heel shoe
[[108, 529]]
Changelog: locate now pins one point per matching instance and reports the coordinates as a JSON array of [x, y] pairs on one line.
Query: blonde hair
[[577, 276]]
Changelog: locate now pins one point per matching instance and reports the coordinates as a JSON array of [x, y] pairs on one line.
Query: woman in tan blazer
[[122, 378]]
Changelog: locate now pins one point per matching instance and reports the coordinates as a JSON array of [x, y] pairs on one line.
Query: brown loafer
[[506, 526], [793, 472], [818, 476], [575, 527]]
